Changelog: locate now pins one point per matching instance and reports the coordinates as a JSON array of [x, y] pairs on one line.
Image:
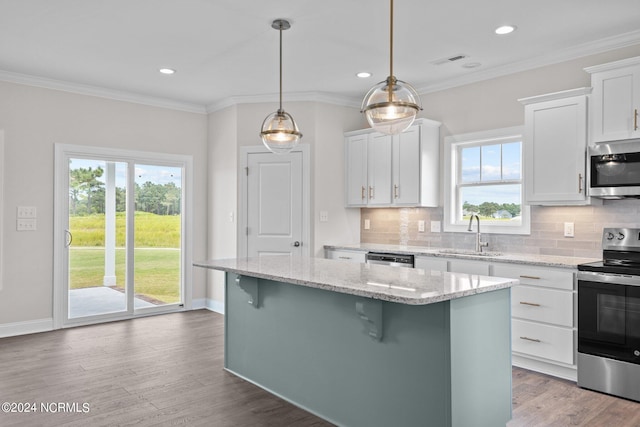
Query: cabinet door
[[379, 169], [469, 267], [616, 100], [431, 263], [406, 167], [356, 170], [555, 143], [345, 255]]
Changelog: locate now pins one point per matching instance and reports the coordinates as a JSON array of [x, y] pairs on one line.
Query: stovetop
[[601, 267], [620, 252]]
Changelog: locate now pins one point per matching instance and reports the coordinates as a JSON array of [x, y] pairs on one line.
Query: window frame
[[453, 177]]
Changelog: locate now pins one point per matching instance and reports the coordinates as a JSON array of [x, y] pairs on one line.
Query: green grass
[[157, 271], [151, 230]]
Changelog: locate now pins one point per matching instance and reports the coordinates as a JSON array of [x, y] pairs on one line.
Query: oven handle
[[610, 278]]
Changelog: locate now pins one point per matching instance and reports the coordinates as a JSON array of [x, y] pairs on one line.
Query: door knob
[[296, 243]]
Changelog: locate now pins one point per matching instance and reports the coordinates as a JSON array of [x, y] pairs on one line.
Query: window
[[483, 176]]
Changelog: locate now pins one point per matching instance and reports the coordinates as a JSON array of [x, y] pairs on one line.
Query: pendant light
[[280, 133], [391, 105]]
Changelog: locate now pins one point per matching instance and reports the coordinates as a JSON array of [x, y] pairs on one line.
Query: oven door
[[609, 316]]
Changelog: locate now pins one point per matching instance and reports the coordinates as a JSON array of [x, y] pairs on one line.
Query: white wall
[[33, 120]]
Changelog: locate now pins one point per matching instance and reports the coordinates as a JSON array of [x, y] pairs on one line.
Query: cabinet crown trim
[[613, 65], [556, 95]]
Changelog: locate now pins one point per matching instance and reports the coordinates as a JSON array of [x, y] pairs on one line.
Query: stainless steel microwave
[[614, 170]]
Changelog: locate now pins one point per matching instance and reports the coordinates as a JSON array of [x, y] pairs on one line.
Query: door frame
[[60, 217], [303, 148]]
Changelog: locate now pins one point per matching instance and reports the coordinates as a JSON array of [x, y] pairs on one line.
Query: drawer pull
[[532, 304], [344, 257], [522, 276], [530, 339]]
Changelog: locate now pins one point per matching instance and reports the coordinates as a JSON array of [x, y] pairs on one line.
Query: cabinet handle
[[362, 193], [635, 119], [530, 339], [344, 257], [371, 193], [579, 183], [529, 277], [395, 191], [532, 304]]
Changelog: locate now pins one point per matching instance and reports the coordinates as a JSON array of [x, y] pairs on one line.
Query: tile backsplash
[[399, 226]]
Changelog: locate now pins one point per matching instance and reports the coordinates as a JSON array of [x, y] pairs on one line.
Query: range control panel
[[621, 239]]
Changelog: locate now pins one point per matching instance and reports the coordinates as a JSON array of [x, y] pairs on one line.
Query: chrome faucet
[[479, 243]]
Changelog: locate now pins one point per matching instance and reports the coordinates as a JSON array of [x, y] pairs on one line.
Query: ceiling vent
[[453, 58]]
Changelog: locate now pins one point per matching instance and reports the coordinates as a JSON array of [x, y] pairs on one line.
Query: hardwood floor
[[167, 370]]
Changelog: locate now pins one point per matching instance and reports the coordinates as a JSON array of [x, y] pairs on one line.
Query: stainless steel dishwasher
[[394, 260]]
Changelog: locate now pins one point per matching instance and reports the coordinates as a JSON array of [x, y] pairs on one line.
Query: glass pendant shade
[[280, 133], [391, 106]]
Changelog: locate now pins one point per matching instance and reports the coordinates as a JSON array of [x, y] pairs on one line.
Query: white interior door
[[275, 204]]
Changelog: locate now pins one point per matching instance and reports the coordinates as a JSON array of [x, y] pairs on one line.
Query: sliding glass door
[[123, 231]]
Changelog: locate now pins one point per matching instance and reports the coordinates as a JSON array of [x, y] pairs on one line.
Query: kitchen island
[[371, 345]]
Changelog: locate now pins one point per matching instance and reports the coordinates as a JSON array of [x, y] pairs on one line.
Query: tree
[[84, 182]]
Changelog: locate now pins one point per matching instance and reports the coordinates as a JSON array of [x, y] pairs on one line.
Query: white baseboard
[[28, 327], [198, 303], [213, 305], [565, 372]]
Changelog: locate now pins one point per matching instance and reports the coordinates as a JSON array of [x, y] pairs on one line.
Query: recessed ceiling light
[[167, 70], [505, 29], [471, 65], [364, 74]]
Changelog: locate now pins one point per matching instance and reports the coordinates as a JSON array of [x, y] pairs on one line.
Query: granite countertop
[[531, 259], [401, 285]]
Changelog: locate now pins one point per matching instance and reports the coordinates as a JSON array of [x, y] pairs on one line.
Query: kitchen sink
[[469, 252]]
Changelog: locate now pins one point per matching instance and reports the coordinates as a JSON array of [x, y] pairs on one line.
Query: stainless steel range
[[609, 316]]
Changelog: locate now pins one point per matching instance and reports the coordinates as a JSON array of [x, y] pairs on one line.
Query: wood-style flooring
[[167, 370]]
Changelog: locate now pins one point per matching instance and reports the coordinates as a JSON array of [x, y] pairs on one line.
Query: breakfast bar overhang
[[371, 345]]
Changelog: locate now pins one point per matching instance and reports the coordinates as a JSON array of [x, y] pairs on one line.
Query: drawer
[[558, 278], [344, 255], [545, 341], [542, 305], [431, 263]]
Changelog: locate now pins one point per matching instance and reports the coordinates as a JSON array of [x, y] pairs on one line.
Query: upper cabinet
[[555, 143], [399, 170], [615, 102]]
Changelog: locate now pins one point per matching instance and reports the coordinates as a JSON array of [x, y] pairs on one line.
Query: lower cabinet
[[543, 325], [345, 255]]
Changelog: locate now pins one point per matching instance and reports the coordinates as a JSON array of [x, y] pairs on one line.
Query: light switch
[[568, 229], [421, 226], [435, 226], [367, 224], [26, 224], [26, 212]]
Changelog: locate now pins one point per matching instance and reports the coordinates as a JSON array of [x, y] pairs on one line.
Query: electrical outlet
[[324, 216], [367, 224], [435, 226], [568, 229], [231, 216], [421, 226]]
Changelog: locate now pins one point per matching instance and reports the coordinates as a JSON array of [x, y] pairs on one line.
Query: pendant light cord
[[391, 80], [280, 109]]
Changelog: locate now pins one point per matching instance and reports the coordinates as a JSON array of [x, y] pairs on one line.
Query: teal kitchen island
[[371, 345]]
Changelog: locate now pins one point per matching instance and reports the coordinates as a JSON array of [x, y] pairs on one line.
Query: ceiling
[[225, 51]]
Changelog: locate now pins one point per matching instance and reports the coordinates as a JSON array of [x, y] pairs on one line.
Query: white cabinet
[[469, 266], [399, 170], [555, 144], [431, 263], [615, 101], [345, 255], [543, 325]]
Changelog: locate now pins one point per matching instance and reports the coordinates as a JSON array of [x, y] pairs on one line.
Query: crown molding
[[324, 97], [581, 91], [100, 92], [586, 49]]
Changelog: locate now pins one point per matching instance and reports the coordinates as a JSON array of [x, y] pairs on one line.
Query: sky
[[491, 163], [156, 174]]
